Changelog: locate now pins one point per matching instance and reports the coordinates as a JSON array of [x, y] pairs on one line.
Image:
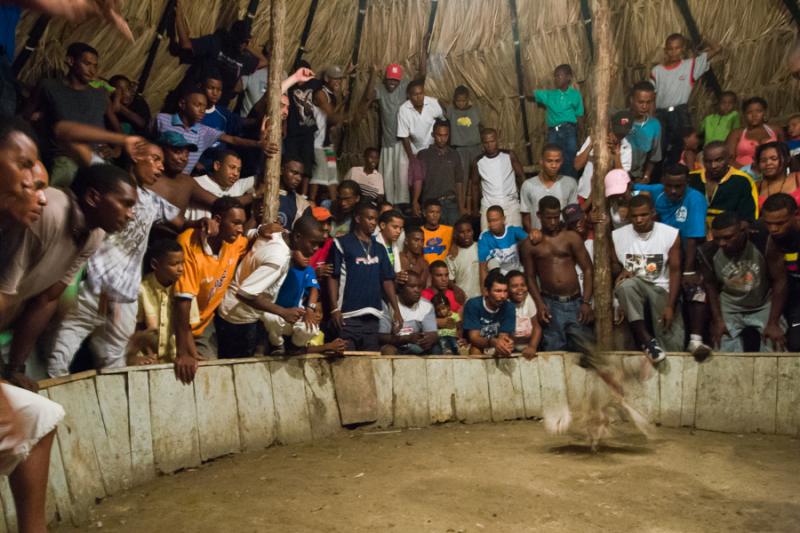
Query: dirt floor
[[486, 477]]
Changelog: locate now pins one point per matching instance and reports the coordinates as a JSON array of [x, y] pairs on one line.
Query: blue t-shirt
[[361, 269], [296, 285], [490, 324], [644, 136], [287, 209], [502, 248], [688, 216], [224, 120], [794, 146]]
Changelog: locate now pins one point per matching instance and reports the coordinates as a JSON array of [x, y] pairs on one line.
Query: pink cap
[[616, 182], [394, 72]]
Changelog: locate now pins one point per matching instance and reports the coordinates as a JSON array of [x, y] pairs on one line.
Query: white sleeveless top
[[646, 256], [498, 182]]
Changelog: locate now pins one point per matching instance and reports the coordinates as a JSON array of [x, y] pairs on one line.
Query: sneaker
[[655, 352], [699, 350]]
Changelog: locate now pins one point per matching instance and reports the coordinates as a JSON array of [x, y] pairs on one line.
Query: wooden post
[[272, 169], [603, 72]]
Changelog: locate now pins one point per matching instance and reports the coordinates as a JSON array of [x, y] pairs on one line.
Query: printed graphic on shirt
[[646, 266], [681, 214], [741, 276], [434, 246], [490, 328], [464, 121], [304, 102]]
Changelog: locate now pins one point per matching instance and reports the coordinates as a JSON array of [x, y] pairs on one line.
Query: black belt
[[561, 299], [563, 125]]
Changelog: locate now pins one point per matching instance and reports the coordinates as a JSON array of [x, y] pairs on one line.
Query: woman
[[742, 142], [772, 160]]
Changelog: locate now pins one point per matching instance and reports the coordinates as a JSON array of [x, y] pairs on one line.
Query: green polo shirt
[[717, 127], [736, 192], [561, 106]]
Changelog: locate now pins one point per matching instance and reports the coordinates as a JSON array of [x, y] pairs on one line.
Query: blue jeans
[[566, 136], [564, 332], [448, 345]]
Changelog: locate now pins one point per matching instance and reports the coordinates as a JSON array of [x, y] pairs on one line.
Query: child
[[449, 332], [437, 237], [465, 128], [691, 156], [441, 284], [719, 125], [793, 135], [528, 332], [674, 80], [411, 257], [564, 106], [368, 177], [499, 242], [154, 340], [223, 180], [462, 260], [549, 182], [220, 118]]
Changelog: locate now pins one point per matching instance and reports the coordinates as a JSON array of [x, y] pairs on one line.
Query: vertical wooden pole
[[272, 170], [603, 72]]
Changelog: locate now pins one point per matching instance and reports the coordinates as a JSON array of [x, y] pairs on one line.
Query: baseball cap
[[175, 140], [321, 214], [621, 123], [394, 72], [616, 182], [572, 213], [334, 72]]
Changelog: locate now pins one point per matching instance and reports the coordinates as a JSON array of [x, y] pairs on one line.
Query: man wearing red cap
[[390, 95]]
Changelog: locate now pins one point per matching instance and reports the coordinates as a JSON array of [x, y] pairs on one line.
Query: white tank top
[[498, 182], [646, 256]]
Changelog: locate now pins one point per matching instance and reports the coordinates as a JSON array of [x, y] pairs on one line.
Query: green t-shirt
[[717, 127], [562, 106]]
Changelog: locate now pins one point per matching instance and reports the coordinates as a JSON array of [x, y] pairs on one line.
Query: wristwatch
[[313, 307]]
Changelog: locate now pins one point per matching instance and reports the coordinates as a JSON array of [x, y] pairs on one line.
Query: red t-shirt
[[430, 292], [321, 255]]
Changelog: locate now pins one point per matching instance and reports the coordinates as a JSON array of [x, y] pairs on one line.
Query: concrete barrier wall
[[127, 426]]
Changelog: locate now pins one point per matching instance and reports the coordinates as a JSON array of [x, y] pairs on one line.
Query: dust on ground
[[475, 478]]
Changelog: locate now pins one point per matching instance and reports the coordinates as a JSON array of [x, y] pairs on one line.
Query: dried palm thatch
[[471, 44]]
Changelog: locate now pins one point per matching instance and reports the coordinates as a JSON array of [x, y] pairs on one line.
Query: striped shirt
[[199, 134]]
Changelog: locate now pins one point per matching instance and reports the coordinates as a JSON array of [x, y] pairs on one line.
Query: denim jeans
[[448, 345], [565, 136], [235, 340], [564, 332]]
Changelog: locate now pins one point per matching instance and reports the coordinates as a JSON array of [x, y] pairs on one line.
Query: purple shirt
[[199, 134]]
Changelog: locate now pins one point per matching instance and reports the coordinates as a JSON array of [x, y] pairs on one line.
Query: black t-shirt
[[789, 246], [301, 119], [209, 54], [61, 102]]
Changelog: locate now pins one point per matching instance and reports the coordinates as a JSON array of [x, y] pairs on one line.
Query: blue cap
[[175, 140]]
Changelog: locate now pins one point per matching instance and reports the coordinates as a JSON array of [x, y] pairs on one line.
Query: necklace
[[780, 188], [367, 249]]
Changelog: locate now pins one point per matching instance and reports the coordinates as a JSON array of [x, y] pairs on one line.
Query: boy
[[442, 177], [368, 177], [674, 80], [719, 125], [131, 110], [440, 284], [223, 180], [156, 294], [436, 237], [465, 128], [390, 226], [462, 260], [361, 274], [292, 204], [564, 106], [418, 334], [645, 135], [412, 258], [793, 136], [499, 242], [495, 178], [490, 320], [547, 183]]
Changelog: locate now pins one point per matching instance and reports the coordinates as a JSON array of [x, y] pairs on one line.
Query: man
[[106, 306], [46, 256], [223, 180], [495, 178], [490, 320], [564, 307], [684, 209], [548, 183], [746, 285], [647, 265], [361, 274], [443, 177], [725, 187], [70, 99], [175, 186], [645, 135], [291, 203], [415, 120], [418, 334], [328, 113], [779, 216], [23, 177]]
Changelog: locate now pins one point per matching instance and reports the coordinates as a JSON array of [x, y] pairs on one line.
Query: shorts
[[325, 172], [38, 417]]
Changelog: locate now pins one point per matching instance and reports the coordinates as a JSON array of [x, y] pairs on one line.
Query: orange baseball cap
[[321, 214], [394, 72]]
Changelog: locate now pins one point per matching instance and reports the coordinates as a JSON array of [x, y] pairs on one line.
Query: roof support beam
[[586, 14], [312, 10], [34, 37], [165, 23]]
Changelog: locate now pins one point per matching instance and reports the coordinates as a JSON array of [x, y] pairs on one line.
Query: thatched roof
[[471, 44]]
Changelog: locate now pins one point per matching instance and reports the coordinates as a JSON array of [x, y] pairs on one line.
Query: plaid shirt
[[116, 268], [199, 134]]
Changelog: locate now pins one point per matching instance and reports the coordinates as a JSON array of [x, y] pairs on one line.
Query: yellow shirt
[[155, 313], [206, 277], [436, 243]]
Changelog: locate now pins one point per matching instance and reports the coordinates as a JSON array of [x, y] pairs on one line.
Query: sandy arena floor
[[487, 477]]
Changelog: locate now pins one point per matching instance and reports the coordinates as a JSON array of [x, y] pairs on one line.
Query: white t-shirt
[[418, 127], [242, 186], [498, 182], [525, 312], [646, 256], [465, 270], [674, 85], [253, 88], [420, 318], [261, 271], [589, 245], [533, 190], [585, 183]]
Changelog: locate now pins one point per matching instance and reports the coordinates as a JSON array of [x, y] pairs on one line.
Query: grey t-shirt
[[442, 172], [464, 126], [565, 189], [744, 280], [65, 103], [390, 103]]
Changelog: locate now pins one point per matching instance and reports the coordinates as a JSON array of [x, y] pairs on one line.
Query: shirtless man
[[411, 258], [563, 311]]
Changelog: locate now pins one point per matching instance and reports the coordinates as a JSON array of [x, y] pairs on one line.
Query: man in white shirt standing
[[648, 274], [223, 180], [495, 178], [415, 120]]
